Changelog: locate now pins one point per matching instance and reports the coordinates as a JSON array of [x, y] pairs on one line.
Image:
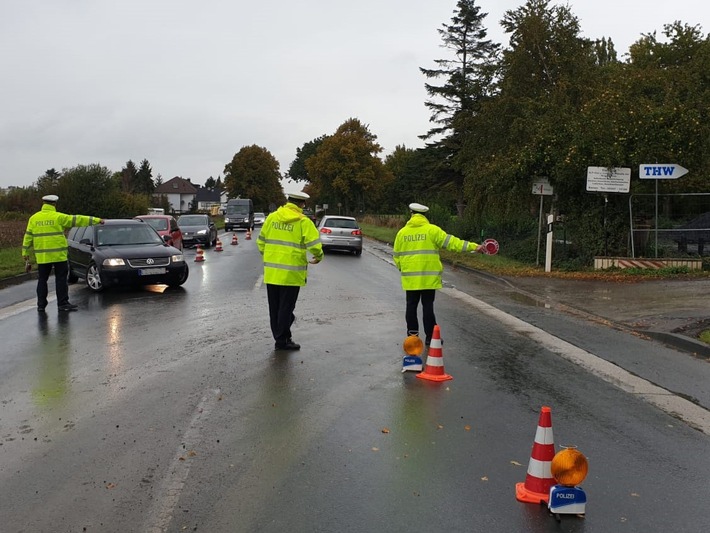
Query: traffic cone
[[248, 236], [234, 238], [434, 370], [538, 481], [218, 246], [200, 254]]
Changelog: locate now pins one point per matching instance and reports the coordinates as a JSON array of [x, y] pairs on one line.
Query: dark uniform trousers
[[282, 302], [61, 272], [427, 298]]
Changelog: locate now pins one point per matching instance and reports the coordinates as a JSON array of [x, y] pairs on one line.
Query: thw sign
[[661, 171]]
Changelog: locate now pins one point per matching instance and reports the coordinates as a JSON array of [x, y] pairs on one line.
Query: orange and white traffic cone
[[218, 246], [248, 236], [434, 370], [199, 254], [235, 241], [538, 480]]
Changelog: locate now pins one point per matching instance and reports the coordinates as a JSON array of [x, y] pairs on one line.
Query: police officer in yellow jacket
[[45, 233], [284, 238], [416, 254]]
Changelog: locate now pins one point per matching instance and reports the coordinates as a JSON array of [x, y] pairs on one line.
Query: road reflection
[[52, 382]]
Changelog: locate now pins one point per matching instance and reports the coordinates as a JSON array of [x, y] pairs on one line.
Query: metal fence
[[669, 225]]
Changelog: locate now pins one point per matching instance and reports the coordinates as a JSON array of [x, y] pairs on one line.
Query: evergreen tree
[[468, 82], [143, 182]]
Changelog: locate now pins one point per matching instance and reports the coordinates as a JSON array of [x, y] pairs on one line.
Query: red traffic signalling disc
[[491, 246]]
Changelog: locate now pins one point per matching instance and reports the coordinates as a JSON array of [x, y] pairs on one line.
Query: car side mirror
[[85, 241], [167, 238]]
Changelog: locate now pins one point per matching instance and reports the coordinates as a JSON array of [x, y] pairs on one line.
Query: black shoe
[[40, 310], [290, 345], [68, 307]]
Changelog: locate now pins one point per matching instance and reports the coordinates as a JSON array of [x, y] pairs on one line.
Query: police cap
[[418, 208]]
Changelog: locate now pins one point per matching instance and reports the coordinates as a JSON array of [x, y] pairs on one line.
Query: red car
[[165, 225]]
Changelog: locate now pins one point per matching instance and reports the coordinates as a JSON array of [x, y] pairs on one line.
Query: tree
[[47, 183], [254, 173], [346, 169], [468, 82], [297, 171], [128, 177], [410, 181], [210, 183], [143, 181]]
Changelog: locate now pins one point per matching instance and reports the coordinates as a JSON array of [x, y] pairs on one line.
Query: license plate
[[151, 271]]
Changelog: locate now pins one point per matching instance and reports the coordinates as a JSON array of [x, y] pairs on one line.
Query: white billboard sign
[[608, 179]]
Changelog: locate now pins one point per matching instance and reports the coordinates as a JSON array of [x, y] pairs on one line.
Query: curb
[[16, 280], [680, 342]]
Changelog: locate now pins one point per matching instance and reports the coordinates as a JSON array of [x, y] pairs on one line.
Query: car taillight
[[356, 232], [326, 230]]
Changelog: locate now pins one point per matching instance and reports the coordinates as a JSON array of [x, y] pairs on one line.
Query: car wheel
[[208, 243], [358, 253], [93, 278], [182, 279]]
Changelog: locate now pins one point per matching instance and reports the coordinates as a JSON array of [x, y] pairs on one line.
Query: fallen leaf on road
[[467, 428], [516, 463], [385, 430], [484, 478]]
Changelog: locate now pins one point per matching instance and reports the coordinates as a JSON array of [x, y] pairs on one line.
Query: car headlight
[[202, 232], [177, 258], [114, 262], [226, 219]]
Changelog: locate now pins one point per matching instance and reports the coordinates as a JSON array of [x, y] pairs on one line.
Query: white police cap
[[50, 198], [298, 195], [418, 208]]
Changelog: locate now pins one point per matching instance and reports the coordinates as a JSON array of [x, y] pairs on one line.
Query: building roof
[[176, 185]]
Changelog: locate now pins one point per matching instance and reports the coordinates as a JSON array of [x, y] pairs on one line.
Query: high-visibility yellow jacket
[[283, 240], [45, 233], [416, 253]]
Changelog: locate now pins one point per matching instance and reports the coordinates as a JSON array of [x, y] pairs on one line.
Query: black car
[[197, 229], [123, 252]]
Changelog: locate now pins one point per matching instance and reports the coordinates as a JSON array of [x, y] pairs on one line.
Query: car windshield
[[192, 220], [161, 224], [258, 215], [340, 223], [126, 235]]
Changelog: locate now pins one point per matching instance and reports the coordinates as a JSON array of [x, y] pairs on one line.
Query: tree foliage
[[297, 171], [467, 83], [254, 173], [346, 169]]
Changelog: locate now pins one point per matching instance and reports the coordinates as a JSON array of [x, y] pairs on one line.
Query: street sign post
[[542, 188], [661, 171]]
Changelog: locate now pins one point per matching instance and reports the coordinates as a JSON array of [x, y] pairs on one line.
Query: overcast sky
[[187, 83]]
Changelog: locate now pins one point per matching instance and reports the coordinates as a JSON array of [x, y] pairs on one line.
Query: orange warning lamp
[[569, 467], [413, 345]]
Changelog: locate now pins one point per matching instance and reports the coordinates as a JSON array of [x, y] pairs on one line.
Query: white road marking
[[678, 407], [21, 307]]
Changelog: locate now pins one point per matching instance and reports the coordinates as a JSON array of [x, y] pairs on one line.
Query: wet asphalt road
[[167, 410]]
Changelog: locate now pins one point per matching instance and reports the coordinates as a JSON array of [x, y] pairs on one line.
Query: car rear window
[[192, 220], [340, 223], [161, 224]]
